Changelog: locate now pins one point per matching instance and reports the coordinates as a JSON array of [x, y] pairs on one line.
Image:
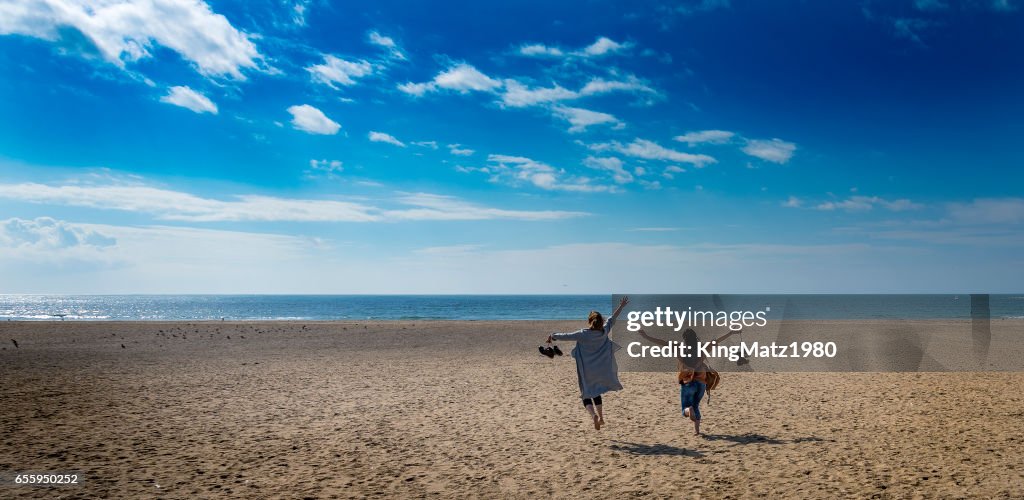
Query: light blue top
[[595, 360]]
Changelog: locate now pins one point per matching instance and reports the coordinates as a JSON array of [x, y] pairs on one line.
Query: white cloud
[[126, 31], [580, 118], [457, 150], [611, 164], [386, 138], [388, 43], [774, 150], [517, 95], [705, 137], [603, 46], [328, 168], [671, 170], [189, 99], [167, 204], [312, 120], [540, 50], [440, 207], [862, 204], [649, 150], [45, 233], [335, 70], [461, 78], [598, 86], [426, 144], [518, 169], [464, 78]]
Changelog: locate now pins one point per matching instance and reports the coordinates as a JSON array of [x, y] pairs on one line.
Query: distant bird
[[15, 344]]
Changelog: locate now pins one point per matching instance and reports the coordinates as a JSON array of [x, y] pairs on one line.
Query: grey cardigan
[[595, 360]]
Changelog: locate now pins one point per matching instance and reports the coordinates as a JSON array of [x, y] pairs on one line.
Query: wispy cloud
[[385, 138], [45, 233], [189, 99], [517, 95], [861, 204], [520, 169], [312, 120], [336, 71], [603, 46], [126, 31], [458, 150], [388, 43], [540, 50], [462, 78], [610, 164], [326, 168], [774, 150], [650, 150], [168, 204], [439, 207], [579, 118], [705, 137]]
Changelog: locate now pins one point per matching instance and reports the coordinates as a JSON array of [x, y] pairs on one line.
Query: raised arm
[[649, 338], [730, 334], [622, 304], [565, 336]]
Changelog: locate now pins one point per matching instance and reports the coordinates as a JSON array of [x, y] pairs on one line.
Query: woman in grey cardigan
[[595, 360]]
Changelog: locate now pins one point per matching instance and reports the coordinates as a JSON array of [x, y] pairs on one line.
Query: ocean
[[479, 307]]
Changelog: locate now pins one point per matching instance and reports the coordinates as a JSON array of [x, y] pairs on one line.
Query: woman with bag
[[694, 374]]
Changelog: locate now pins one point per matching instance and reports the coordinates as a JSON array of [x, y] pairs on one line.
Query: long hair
[[596, 321], [690, 339]]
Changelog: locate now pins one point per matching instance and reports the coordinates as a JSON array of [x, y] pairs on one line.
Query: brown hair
[[596, 320]]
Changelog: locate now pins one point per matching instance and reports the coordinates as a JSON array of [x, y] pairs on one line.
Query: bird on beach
[[123, 347], [15, 344]]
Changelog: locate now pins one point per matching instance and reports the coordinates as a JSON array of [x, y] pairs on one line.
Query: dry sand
[[469, 409]]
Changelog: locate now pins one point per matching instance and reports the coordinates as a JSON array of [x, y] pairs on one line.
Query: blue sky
[[178, 146]]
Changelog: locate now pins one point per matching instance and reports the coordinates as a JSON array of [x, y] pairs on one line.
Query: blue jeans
[[690, 395]]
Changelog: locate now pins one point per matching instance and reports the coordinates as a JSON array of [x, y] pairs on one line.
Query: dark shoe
[[557, 350], [547, 351]]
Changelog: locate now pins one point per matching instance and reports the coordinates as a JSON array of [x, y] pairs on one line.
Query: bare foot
[[597, 423], [600, 422]]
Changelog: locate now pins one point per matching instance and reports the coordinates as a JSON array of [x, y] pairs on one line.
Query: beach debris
[[15, 344], [123, 347]]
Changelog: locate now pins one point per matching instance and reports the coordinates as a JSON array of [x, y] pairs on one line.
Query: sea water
[[475, 307]]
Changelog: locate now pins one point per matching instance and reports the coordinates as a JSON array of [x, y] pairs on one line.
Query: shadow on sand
[[751, 438], [654, 449]]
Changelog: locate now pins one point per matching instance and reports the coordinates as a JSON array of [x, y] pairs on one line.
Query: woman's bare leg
[[593, 416]]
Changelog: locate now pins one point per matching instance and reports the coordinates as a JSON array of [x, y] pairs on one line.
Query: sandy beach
[[469, 409]]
